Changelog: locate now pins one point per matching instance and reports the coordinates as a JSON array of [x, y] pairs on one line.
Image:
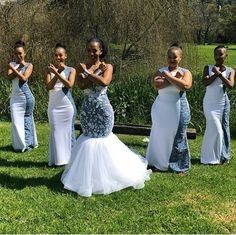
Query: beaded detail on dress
[[97, 116]]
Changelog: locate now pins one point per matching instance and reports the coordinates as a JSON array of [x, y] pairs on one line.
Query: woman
[[100, 163], [168, 148], [22, 101], [61, 108], [216, 142]]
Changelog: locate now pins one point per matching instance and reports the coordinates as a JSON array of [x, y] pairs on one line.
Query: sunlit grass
[[206, 56], [33, 199]]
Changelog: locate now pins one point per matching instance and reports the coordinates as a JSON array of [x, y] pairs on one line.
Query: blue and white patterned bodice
[[19, 87], [96, 116]]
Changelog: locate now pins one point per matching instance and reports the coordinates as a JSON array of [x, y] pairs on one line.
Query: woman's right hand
[[10, 65], [216, 70], [52, 69], [83, 66], [62, 65], [103, 66]]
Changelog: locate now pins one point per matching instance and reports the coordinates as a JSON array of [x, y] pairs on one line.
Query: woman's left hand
[[179, 74], [103, 66], [222, 68]]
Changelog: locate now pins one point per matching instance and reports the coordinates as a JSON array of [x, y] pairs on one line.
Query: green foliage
[[131, 94], [33, 199], [132, 99], [227, 23], [214, 21]]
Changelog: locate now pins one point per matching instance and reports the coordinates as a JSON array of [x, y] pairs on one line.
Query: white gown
[[216, 141], [61, 115], [168, 146], [100, 163], [22, 106]]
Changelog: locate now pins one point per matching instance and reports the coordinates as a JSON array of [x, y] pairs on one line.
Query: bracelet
[[98, 72], [86, 72], [83, 75]]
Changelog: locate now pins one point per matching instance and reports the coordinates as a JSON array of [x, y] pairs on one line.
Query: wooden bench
[[132, 129]]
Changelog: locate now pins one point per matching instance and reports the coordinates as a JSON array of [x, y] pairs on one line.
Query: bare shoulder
[[232, 70], [73, 70], [206, 70], [187, 72], [29, 65], [109, 66]]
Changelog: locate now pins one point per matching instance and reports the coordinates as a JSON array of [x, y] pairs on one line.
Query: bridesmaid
[[61, 108], [168, 147], [22, 101], [100, 163], [216, 142]]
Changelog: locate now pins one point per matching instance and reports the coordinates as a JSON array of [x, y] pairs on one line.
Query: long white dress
[[168, 146], [216, 141], [100, 163], [61, 115], [22, 106]]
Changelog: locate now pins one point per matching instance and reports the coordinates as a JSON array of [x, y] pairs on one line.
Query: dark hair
[[220, 47], [59, 45], [103, 47], [176, 45], [19, 44]]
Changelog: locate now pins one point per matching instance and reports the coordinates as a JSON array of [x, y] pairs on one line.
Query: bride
[[100, 163]]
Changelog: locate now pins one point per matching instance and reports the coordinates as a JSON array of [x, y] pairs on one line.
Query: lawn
[[34, 201], [206, 56]]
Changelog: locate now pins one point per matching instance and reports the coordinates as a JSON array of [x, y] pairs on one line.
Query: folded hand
[[103, 66], [52, 68]]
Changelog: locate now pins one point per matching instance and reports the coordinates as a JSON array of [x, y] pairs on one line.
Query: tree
[[205, 20], [227, 24]]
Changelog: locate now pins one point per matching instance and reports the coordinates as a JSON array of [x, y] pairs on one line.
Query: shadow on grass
[[195, 161], [7, 148], [54, 184], [19, 183], [132, 145], [233, 135], [22, 164]]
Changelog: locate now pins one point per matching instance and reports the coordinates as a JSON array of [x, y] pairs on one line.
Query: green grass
[[206, 56], [32, 199]]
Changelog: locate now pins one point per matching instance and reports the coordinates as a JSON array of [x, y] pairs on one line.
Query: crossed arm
[[87, 77], [207, 79], [12, 72], [165, 78], [50, 83]]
